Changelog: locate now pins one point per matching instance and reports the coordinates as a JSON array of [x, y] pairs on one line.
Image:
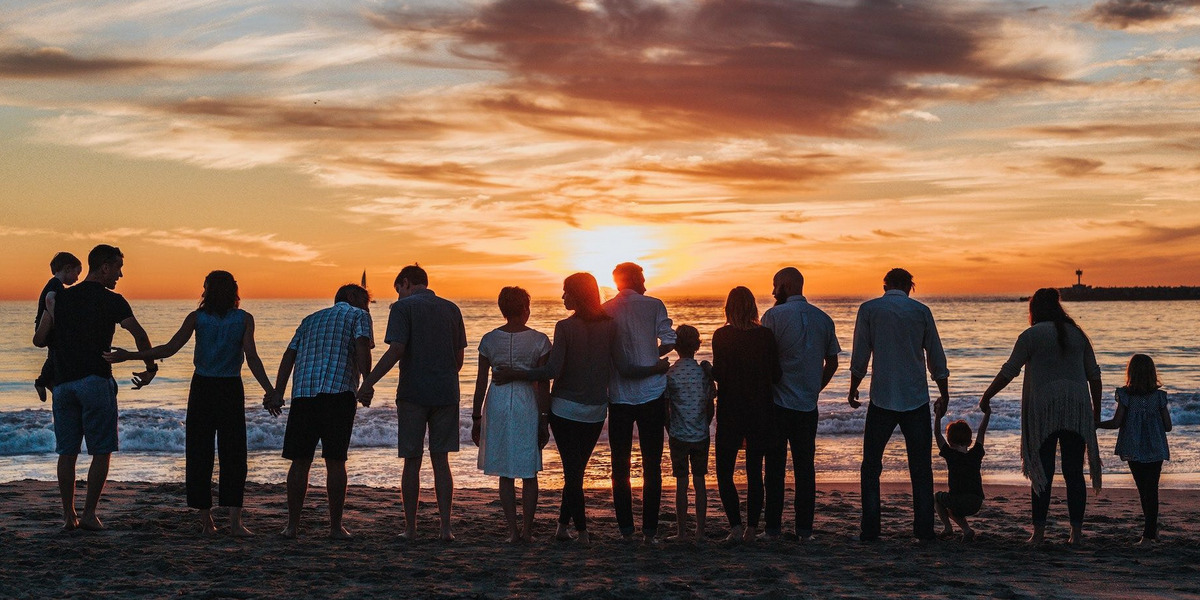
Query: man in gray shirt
[[808, 356], [426, 335], [901, 335]]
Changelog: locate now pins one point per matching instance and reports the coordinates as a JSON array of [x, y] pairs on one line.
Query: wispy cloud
[[1145, 14]]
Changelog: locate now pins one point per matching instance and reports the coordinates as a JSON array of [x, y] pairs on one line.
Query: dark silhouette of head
[[63, 260], [355, 295], [787, 282], [513, 302], [899, 279], [629, 276], [687, 341], [105, 264], [220, 293], [741, 310], [1141, 376], [581, 293], [1046, 306], [958, 433], [410, 279]]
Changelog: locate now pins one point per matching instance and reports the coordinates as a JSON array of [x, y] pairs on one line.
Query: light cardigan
[[1055, 395]]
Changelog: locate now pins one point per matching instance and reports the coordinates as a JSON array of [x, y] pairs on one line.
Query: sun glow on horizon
[[599, 249]]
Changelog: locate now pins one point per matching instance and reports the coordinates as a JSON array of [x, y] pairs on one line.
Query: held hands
[[941, 404], [985, 406], [852, 398], [475, 430], [543, 432], [365, 394], [273, 403]]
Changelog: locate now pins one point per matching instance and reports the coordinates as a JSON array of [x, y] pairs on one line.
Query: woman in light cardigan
[[1060, 406]]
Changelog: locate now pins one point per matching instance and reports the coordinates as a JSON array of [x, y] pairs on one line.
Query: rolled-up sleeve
[[935, 355], [1018, 358], [663, 330], [860, 354]]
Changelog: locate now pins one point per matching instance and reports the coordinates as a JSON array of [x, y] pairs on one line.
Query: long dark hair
[[1141, 377], [741, 310], [220, 293], [1046, 305], [586, 292]]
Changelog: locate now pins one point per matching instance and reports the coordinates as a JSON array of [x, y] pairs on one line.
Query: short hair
[[790, 275], [628, 272], [513, 301], [899, 279], [741, 309], [353, 294], [687, 339], [63, 260], [413, 274], [103, 254], [958, 433], [220, 293]]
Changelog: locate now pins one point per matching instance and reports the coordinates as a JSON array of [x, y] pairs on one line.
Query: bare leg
[[410, 493], [206, 522], [443, 485], [335, 487], [1076, 535], [529, 501], [66, 489], [944, 515], [297, 488], [968, 533], [701, 506], [97, 475], [508, 501], [681, 509], [235, 523], [1039, 533]]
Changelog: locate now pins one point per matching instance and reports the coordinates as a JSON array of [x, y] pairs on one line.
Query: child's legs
[[1146, 476], [942, 512], [699, 463]]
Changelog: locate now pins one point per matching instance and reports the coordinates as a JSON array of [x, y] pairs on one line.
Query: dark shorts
[[684, 454], [959, 505], [412, 420], [86, 409], [327, 418]]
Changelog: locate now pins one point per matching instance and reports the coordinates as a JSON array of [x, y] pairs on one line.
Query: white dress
[[508, 441]]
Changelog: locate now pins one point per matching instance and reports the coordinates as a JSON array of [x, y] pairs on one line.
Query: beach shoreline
[[153, 549]]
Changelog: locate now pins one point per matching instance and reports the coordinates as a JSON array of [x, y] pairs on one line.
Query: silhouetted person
[[427, 337], [1060, 406], [690, 394], [217, 399], [808, 357], [65, 269], [964, 465], [644, 335], [329, 351], [83, 319], [897, 335]]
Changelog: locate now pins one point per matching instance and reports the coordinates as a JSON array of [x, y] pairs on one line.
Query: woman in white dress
[[509, 421]]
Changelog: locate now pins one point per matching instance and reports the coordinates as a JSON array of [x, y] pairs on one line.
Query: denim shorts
[[86, 409]]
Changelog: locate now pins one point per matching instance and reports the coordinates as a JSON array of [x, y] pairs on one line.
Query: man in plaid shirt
[[331, 349]]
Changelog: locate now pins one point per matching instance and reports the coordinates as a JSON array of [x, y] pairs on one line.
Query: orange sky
[[989, 147]]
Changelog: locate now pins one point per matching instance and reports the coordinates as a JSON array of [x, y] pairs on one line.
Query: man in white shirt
[[903, 338], [808, 357], [644, 335]]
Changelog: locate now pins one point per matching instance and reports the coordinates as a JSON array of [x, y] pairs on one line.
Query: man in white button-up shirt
[[644, 335], [901, 335]]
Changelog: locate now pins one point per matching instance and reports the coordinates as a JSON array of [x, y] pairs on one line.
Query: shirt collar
[[895, 293], [797, 298]]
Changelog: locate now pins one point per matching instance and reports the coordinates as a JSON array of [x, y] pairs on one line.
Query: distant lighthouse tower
[[1078, 277]]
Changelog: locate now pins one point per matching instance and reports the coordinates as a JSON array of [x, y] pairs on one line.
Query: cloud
[[235, 242], [49, 62], [1067, 166], [728, 66], [1141, 14]]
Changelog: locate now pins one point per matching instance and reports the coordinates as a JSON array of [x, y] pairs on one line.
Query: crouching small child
[[690, 394], [963, 465]]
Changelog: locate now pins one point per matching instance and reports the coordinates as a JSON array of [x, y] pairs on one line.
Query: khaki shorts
[[685, 454], [412, 421]]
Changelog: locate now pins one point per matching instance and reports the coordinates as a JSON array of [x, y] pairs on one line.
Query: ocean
[[977, 333]]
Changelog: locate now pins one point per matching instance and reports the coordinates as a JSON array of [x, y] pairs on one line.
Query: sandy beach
[[152, 549]]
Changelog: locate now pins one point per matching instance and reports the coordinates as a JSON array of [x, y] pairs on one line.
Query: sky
[[988, 147]]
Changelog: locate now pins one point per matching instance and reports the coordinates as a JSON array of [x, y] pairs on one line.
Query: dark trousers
[[651, 421], [575, 442], [800, 429], [918, 441], [216, 409], [1146, 475], [776, 460], [1073, 448]]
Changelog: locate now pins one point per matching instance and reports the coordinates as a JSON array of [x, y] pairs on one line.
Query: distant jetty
[[1086, 293]]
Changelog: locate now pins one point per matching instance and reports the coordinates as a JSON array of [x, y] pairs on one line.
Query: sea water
[[977, 333]]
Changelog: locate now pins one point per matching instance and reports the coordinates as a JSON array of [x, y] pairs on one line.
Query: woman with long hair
[[1060, 407], [216, 402], [745, 366], [580, 363]]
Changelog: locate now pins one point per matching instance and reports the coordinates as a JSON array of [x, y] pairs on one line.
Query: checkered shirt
[[324, 345]]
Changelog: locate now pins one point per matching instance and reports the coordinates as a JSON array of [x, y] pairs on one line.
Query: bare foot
[[768, 537], [70, 524], [340, 533], [968, 535], [240, 531], [1039, 535], [446, 536], [651, 540], [514, 538], [207, 527], [563, 534], [735, 535], [626, 537], [91, 523], [750, 535], [946, 533], [1146, 541], [290, 531], [1076, 536], [584, 538], [682, 536], [407, 535]]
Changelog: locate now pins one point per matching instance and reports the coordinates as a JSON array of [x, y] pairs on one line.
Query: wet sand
[[152, 549]]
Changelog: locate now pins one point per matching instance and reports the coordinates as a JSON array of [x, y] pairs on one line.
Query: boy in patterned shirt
[[690, 393]]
